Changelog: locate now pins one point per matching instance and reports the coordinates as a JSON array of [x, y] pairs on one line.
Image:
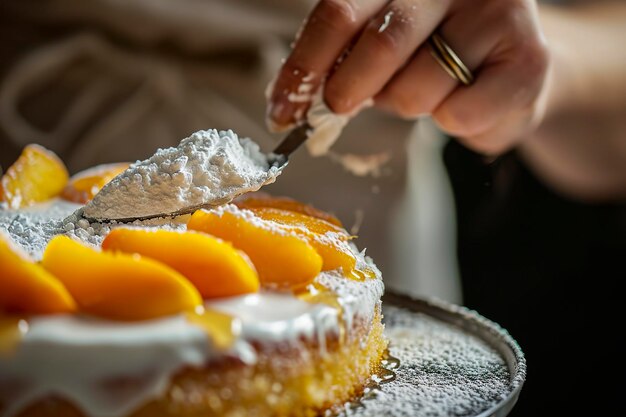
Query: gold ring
[[449, 60]]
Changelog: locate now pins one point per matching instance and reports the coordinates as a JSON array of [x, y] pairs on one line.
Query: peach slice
[[305, 221], [285, 203], [26, 287], [283, 260], [118, 286], [86, 184], [327, 239], [213, 266], [36, 176]]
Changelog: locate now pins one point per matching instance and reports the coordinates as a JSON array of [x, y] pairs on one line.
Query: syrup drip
[[222, 329], [362, 274], [12, 330], [385, 374]]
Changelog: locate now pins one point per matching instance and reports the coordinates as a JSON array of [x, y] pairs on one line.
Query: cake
[[259, 306]]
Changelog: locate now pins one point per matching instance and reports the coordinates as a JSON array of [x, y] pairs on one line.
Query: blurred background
[[108, 81]]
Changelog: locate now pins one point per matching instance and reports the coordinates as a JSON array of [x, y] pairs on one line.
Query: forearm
[[580, 147]]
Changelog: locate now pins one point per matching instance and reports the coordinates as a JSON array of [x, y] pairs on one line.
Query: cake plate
[[452, 362]]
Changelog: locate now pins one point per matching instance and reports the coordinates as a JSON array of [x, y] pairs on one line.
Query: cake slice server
[[277, 159]]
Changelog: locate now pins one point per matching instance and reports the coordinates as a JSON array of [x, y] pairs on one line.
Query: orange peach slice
[[285, 203], [36, 176], [86, 184], [283, 260], [26, 287], [327, 239], [118, 286], [213, 266], [305, 221]]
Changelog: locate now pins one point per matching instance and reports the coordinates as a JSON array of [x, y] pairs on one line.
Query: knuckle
[[536, 57], [336, 15], [527, 41], [513, 11], [388, 31]]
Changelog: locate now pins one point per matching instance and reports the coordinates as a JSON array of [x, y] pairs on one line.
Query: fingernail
[[273, 126], [281, 112]]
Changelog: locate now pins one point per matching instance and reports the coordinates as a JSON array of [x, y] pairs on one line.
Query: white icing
[[208, 167], [274, 317], [74, 356], [79, 359]]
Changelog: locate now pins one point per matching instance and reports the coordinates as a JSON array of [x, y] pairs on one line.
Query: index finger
[[326, 34]]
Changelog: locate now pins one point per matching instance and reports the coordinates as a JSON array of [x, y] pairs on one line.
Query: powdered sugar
[[33, 228], [251, 218], [444, 371], [208, 167]]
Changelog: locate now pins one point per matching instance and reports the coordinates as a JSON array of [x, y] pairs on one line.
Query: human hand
[[375, 48]]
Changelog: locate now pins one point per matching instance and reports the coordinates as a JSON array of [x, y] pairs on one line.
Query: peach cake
[[263, 307]]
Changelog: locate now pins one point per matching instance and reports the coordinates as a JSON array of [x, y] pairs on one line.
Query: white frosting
[[79, 359], [273, 317], [208, 167], [74, 356]]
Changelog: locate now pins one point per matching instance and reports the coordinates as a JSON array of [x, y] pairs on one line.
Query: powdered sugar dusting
[[250, 217], [444, 371], [33, 228], [208, 167]]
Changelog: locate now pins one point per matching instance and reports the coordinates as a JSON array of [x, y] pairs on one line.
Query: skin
[[546, 78]]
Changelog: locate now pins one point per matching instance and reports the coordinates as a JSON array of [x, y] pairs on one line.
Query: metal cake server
[[278, 159], [280, 156]]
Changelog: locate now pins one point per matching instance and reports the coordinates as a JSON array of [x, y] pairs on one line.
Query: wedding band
[[449, 60]]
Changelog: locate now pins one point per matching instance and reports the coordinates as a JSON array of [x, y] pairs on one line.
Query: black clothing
[[549, 270]]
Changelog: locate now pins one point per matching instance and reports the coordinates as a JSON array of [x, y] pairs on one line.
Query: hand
[[374, 48]]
